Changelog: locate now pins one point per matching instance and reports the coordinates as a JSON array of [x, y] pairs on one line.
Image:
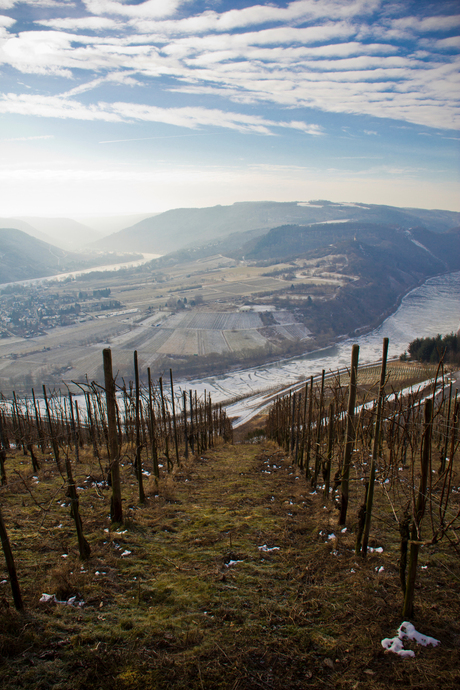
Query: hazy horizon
[[112, 107]]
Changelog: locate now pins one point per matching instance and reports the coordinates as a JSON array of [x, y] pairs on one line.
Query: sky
[[120, 106]]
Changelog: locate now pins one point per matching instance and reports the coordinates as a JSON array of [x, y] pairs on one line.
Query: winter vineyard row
[[359, 442]]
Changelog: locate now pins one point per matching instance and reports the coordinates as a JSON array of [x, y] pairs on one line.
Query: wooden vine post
[[330, 446], [83, 546], [415, 533], [349, 434], [116, 509], [375, 450], [318, 433], [153, 430], [138, 461], [54, 442], [10, 565], [174, 418]]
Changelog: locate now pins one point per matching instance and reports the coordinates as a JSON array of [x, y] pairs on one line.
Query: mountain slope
[[66, 233], [433, 251], [385, 262], [23, 257], [180, 228], [24, 226]]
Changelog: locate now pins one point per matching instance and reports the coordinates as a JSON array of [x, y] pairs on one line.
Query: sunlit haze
[[111, 107]]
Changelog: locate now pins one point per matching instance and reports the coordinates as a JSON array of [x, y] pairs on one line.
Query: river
[[74, 274], [432, 308]]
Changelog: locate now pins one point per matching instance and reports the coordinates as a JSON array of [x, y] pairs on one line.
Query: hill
[[24, 226], [385, 262], [66, 233], [375, 263], [23, 257], [184, 227], [419, 249]]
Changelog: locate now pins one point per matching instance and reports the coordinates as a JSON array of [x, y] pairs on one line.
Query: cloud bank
[[361, 57]]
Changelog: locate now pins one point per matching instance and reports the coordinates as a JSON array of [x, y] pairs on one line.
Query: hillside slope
[[23, 257], [386, 262], [66, 233], [25, 226], [179, 228]]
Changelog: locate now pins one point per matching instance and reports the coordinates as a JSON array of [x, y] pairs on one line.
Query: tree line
[[445, 348]]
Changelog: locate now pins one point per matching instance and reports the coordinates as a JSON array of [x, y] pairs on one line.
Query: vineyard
[[143, 549]]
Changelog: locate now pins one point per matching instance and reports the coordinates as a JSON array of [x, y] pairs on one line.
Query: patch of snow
[[72, 601], [266, 548], [327, 222], [125, 553], [407, 631], [45, 598], [230, 563]]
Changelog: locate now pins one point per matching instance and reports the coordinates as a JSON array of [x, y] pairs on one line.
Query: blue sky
[[111, 106]]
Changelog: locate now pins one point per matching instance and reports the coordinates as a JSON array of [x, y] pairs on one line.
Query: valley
[[224, 301], [215, 310]]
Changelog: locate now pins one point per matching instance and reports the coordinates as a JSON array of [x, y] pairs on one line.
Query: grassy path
[[227, 578]]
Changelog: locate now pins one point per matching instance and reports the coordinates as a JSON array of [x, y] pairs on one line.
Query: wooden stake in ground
[[138, 462], [83, 546], [349, 434], [2, 455], [330, 445], [116, 510], [153, 430], [174, 418], [54, 442], [318, 433], [310, 413], [408, 607], [10, 565], [375, 451]]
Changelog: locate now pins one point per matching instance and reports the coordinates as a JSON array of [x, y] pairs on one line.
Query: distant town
[[30, 311]]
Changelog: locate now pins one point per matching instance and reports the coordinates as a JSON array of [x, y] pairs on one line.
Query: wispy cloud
[[41, 136], [171, 136], [149, 9], [190, 118], [8, 4], [81, 23], [341, 56]]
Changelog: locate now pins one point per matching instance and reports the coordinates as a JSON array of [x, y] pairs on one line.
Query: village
[[28, 311]]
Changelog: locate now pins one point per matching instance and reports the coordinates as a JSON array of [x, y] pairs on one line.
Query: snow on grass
[[264, 547], [407, 631]]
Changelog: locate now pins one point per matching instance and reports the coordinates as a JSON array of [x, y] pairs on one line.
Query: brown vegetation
[[232, 573]]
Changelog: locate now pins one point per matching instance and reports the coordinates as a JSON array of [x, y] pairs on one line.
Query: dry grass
[[176, 613]]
